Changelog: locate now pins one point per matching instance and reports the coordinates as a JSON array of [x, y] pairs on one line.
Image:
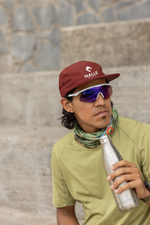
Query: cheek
[[82, 110], [109, 105]]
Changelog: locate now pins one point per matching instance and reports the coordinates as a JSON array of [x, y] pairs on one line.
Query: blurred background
[[38, 38]]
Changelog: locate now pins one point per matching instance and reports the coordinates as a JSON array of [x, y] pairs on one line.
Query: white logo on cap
[[88, 69], [90, 74]]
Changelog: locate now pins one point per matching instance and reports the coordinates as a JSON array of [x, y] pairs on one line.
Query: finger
[[124, 170], [123, 163], [125, 178], [126, 186]]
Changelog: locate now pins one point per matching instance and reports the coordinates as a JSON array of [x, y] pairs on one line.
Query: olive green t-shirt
[[78, 175]]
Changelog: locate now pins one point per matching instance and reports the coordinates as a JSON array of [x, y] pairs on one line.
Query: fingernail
[[109, 178], [112, 167], [112, 186], [116, 191]]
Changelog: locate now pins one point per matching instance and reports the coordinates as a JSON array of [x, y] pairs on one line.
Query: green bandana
[[92, 140]]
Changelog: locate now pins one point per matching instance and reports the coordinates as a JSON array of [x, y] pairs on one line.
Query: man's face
[[92, 116]]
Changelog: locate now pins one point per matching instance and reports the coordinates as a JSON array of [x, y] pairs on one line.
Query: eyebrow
[[99, 85]]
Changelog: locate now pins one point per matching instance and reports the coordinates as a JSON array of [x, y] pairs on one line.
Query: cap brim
[[110, 77]]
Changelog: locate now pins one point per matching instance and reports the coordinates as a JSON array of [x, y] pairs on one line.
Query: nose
[[100, 99]]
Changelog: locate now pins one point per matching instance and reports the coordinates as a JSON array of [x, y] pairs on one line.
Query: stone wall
[[112, 45], [30, 30]]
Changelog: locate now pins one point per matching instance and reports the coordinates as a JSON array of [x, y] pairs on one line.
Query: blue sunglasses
[[91, 94]]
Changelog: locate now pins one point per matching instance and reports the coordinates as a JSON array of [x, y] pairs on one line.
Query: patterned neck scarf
[[92, 140]]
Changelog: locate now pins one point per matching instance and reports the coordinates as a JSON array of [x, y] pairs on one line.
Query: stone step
[[30, 99], [11, 216], [34, 99], [25, 169], [113, 44], [131, 92]]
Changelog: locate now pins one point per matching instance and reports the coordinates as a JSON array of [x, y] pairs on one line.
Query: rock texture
[[111, 45], [30, 31]]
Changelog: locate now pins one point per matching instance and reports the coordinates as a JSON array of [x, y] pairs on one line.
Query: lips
[[102, 113]]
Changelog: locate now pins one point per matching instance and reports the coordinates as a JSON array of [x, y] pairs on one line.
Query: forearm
[[66, 216], [148, 203], [67, 220]]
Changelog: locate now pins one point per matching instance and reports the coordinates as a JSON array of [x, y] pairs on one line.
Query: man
[[77, 166]]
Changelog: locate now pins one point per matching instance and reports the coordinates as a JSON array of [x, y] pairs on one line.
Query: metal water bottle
[[127, 199]]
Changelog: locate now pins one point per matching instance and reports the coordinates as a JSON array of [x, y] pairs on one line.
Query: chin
[[104, 123]]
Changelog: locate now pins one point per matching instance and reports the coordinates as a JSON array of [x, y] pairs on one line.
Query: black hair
[[68, 119]]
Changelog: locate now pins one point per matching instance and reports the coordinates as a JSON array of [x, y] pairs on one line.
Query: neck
[[91, 140]]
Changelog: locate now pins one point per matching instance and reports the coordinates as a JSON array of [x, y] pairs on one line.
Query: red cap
[[80, 73]]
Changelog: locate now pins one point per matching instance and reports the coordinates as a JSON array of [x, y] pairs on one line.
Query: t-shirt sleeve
[[61, 196], [144, 144]]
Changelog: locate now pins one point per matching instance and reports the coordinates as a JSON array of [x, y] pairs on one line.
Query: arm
[[148, 203], [66, 216]]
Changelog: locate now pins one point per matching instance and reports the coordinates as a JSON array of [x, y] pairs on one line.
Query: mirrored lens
[[91, 94]]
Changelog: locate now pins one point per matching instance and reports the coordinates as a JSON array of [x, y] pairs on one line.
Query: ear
[[67, 105]]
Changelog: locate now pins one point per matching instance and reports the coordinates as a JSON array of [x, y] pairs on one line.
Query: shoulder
[[132, 127], [60, 145], [127, 124]]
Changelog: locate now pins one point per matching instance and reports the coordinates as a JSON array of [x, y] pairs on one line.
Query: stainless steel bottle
[[127, 199]]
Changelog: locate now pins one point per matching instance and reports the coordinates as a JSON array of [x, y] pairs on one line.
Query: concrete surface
[[34, 99], [25, 169], [30, 99], [10, 216], [131, 92], [114, 44]]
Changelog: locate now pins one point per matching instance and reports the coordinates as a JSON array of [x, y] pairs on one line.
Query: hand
[[130, 173]]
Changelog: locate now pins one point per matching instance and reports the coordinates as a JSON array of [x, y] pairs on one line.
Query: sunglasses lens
[[107, 92], [91, 94], [88, 97]]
